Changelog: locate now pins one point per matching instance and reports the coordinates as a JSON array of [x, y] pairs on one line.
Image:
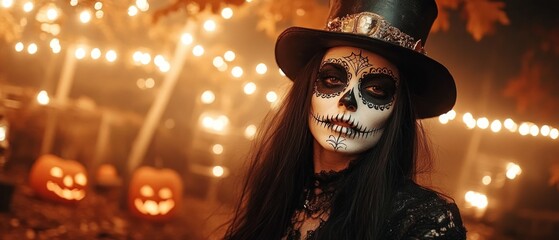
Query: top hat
[[394, 29]]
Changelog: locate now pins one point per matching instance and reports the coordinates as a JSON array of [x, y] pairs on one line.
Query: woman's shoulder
[[421, 213]]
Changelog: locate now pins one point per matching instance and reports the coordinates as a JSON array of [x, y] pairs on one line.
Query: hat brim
[[431, 84]]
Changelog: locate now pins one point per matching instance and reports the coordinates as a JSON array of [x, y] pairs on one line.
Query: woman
[[339, 159]]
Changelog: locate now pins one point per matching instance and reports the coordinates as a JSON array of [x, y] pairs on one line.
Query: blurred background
[[131, 119]]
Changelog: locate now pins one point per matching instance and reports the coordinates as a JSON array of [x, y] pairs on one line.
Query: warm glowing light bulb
[[513, 170], [524, 129], [111, 55], [229, 56], [217, 149], [137, 56], [250, 131], [443, 118], [496, 126], [467, 117], [32, 48], [19, 47], [227, 13], [534, 130], [237, 72], [73, 3], [52, 13], [7, 3], [261, 68], [164, 67], [159, 60], [85, 16], [43, 97], [150, 83], [249, 88], [28, 7], [145, 58], [198, 50], [544, 130], [451, 114], [98, 5], [54, 43], [510, 125], [210, 25], [483, 123], [271, 96], [143, 5], [99, 14], [186, 38], [95, 53], [132, 11], [80, 53], [554, 133], [218, 171], [207, 97], [218, 61], [486, 180]]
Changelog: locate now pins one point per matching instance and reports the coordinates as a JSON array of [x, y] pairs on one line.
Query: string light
[[227, 13], [237, 72], [271, 96], [43, 97], [95, 53], [132, 11], [28, 7], [544, 130], [187, 39], [98, 5], [249, 88], [496, 126], [261, 68], [486, 180], [32, 48], [218, 62], [150, 83], [534, 130], [513, 170], [210, 25], [85, 16], [19, 47], [475, 199], [207, 97], [143, 5], [52, 13], [554, 133], [111, 55], [217, 149], [218, 171], [229, 56], [198, 50], [73, 3], [79, 53], [250, 131], [7, 3], [99, 14]]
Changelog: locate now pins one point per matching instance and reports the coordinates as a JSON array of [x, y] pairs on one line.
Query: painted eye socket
[[332, 78], [378, 89]]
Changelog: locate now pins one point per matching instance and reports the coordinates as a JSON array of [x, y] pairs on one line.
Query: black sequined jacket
[[419, 213]]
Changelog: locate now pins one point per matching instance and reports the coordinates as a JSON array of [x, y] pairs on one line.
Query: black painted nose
[[348, 100]]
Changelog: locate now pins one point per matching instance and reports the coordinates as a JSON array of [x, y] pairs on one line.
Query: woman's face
[[352, 99]]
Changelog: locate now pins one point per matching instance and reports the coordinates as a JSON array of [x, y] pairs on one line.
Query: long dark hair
[[281, 163]]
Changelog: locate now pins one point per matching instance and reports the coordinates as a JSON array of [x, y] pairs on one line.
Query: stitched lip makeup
[[344, 124]]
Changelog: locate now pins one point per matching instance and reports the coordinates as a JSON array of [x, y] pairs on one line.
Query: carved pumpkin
[[57, 179], [155, 194]]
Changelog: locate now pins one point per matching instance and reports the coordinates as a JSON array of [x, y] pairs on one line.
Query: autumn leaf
[[482, 16], [442, 23], [526, 87]]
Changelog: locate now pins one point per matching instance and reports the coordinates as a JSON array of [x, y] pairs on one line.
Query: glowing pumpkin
[[155, 194], [58, 179]]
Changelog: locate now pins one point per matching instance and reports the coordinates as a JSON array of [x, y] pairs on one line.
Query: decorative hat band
[[374, 26]]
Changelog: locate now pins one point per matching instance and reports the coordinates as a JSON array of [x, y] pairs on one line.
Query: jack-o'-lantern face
[[154, 194], [154, 203], [57, 179]]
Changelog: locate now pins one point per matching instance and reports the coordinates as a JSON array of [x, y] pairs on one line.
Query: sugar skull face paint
[[352, 99]]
